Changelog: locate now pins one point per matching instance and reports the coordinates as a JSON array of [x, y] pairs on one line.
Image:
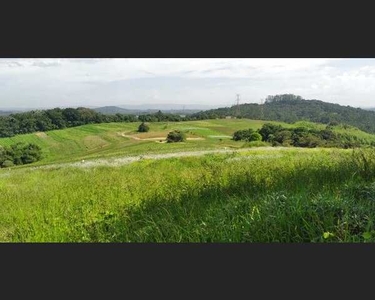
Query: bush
[[7, 164], [19, 154], [143, 127], [247, 135], [175, 136], [255, 137], [268, 131]]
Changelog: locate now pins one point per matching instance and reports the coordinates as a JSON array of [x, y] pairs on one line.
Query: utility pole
[[238, 105]]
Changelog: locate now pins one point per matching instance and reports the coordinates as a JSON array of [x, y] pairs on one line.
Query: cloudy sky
[[37, 83]]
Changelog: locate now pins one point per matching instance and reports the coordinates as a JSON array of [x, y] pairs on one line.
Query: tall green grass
[[309, 195]]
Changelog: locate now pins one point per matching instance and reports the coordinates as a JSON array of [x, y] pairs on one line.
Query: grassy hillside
[[297, 195], [119, 139], [290, 108], [97, 140], [260, 195]]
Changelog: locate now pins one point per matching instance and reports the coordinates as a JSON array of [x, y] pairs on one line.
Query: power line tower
[[238, 105], [261, 109]]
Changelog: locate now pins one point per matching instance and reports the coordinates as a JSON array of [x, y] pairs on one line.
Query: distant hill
[[112, 110], [7, 112], [168, 107], [291, 108]]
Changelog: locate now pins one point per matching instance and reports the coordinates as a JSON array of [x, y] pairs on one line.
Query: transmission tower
[[238, 105], [261, 109]]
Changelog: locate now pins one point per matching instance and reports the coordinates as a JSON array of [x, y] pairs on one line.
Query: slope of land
[[109, 183], [299, 195], [290, 108], [122, 139]]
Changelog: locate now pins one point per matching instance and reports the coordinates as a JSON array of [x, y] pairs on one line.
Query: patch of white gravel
[[260, 156], [220, 136], [115, 162]]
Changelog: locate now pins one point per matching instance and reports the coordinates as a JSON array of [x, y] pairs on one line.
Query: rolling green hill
[[270, 194], [290, 108], [121, 139]]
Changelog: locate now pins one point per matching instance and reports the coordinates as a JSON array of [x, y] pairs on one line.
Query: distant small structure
[[182, 116], [228, 117]]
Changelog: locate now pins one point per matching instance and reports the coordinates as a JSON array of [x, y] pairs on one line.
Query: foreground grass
[[310, 195]]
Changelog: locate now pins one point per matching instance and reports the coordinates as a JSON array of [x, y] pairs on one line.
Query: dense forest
[[290, 108]]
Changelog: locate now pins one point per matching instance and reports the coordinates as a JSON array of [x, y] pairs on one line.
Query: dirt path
[[119, 161], [145, 139], [161, 138]]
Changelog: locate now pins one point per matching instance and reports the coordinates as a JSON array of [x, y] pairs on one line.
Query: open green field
[[297, 195], [103, 140], [121, 139], [257, 195]]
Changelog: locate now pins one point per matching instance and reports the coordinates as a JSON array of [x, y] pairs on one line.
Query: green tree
[[143, 127], [7, 164], [269, 129], [175, 136]]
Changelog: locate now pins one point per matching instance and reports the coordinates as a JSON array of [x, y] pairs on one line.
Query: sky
[[47, 83]]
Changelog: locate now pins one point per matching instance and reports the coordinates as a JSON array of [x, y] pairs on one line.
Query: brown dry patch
[[195, 139], [92, 142], [42, 135]]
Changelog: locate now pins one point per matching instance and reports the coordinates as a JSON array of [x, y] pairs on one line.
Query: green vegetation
[[256, 195], [19, 154], [57, 118], [121, 139], [283, 195], [176, 136], [247, 135], [115, 139], [143, 127], [302, 136], [290, 108]]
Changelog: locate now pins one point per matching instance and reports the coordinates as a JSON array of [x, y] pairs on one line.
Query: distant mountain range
[[167, 106], [135, 109], [111, 110], [8, 112]]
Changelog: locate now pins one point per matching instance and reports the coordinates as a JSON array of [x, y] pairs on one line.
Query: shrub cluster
[[299, 137], [175, 136], [247, 135], [143, 127], [19, 154]]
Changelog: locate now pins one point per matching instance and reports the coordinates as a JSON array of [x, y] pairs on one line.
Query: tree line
[[58, 118], [290, 108], [287, 108], [300, 137]]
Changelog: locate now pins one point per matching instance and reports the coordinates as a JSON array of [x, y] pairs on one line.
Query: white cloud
[[53, 82]]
